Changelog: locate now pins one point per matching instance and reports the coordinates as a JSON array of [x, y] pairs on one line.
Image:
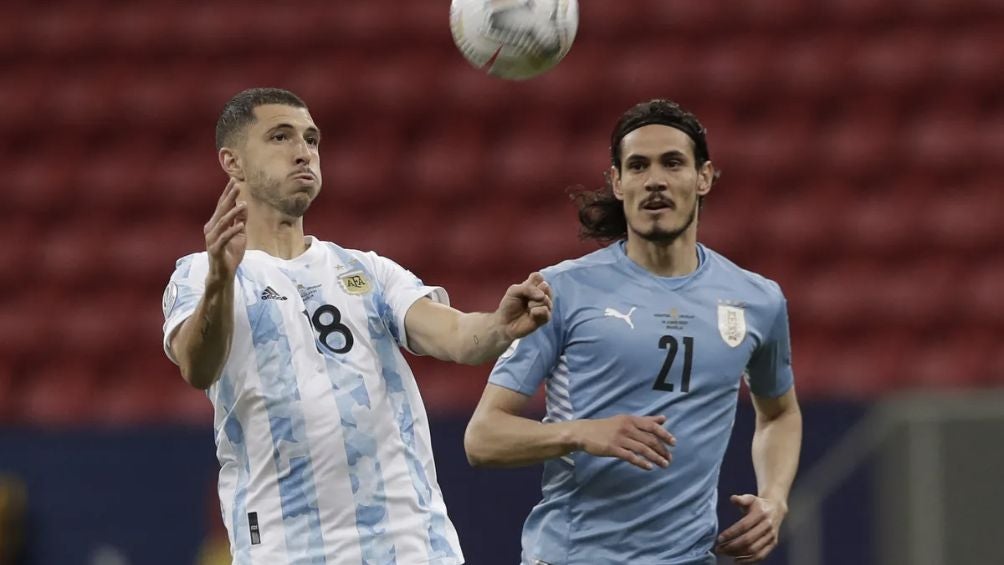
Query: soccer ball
[[514, 39]]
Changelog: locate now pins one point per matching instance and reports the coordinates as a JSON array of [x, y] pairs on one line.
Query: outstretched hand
[[226, 235], [525, 307], [754, 536]]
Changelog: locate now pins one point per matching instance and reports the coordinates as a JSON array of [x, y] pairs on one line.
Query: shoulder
[[745, 281], [359, 258], [193, 262], [581, 266]]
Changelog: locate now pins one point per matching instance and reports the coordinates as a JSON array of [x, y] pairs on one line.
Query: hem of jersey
[[437, 294], [510, 386], [171, 329]]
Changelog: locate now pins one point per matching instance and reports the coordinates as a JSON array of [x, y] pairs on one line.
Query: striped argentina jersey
[[625, 341], [321, 435]]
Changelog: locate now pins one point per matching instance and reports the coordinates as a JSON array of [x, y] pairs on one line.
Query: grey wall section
[[941, 491], [147, 494]]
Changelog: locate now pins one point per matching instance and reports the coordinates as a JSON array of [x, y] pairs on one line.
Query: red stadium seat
[[952, 361], [448, 165], [74, 253], [58, 394], [812, 66], [971, 57], [528, 161], [878, 220], [138, 393], [980, 292], [844, 12], [894, 62], [962, 217]]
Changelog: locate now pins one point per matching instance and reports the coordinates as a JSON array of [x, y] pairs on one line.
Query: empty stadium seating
[[860, 143]]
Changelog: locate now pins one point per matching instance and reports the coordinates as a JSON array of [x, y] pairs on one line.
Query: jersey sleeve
[[400, 289], [529, 360], [182, 295], [769, 371]]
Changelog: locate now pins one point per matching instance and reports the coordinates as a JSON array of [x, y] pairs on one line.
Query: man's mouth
[[658, 204]]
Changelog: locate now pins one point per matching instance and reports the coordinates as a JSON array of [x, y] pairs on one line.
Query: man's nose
[[302, 154], [656, 182]]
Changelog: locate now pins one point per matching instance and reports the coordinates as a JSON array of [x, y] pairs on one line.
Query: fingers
[[650, 440], [225, 203], [237, 214], [646, 451], [750, 542], [653, 425], [739, 528], [743, 501], [225, 237], [632, 458], [760, 549], [540, 314]]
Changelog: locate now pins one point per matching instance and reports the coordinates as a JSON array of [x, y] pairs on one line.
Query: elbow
[[474, 442], [197, 379]]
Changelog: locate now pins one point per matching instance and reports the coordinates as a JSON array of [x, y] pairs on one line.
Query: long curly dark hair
[[601, 215]]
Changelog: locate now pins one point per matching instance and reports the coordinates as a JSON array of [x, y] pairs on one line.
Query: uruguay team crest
[[731, 324]]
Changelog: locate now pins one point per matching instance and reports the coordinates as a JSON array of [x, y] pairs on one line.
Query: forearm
[[776, 446], [504, 440], [202, 344], [478, 337]]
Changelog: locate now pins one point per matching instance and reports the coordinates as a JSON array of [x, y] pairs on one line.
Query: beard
[[667, 236], [268, 190]]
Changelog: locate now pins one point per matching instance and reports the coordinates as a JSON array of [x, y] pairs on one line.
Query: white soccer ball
[[514, 39]]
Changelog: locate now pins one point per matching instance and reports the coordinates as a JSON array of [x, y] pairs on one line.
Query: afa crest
[[355, 283], [732, 324]]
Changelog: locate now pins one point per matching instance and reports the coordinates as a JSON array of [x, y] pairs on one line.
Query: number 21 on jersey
[[672, 346]]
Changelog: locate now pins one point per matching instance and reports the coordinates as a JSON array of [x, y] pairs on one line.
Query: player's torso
[[657, 346], [322, 393], [643, 346]]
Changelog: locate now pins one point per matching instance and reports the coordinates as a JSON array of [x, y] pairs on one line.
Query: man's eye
[[279, 137]]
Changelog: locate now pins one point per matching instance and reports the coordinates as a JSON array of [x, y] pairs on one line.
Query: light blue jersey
[[323, 441], [625, 341]]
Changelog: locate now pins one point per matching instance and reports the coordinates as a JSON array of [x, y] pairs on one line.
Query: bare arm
[[473, 338], [777, 442], [202, 342], [498, 436]]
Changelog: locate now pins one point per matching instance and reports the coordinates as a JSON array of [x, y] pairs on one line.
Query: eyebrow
[[672, 153], [310, 130]]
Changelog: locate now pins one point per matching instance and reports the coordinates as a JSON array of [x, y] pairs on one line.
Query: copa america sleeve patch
[[170, 298]]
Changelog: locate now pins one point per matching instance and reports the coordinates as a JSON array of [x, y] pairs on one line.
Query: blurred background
[[861, 144]]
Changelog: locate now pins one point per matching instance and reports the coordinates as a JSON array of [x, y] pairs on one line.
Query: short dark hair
[[601, 214], [238, 113]]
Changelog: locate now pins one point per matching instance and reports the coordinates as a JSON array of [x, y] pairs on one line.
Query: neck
[[278, 235], [666, 259]]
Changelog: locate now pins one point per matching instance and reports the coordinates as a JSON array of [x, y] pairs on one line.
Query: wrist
[[217, 283], [570, 438], [780, 501]]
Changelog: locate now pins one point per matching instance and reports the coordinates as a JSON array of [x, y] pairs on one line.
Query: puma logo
[[611, 313]]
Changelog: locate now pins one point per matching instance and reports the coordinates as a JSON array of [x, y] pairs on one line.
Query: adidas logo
[[270, 294]]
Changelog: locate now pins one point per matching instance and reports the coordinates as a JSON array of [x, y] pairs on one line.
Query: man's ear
[[231, 163], [706, 177], [615, 183]]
